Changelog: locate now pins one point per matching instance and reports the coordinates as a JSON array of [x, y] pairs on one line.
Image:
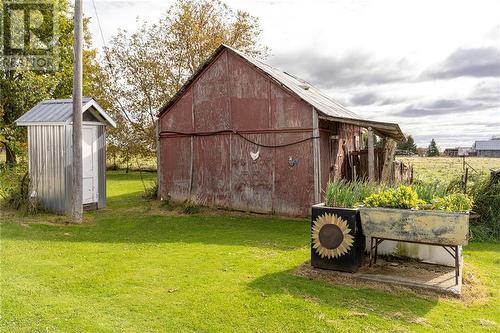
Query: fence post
[[466, 176]]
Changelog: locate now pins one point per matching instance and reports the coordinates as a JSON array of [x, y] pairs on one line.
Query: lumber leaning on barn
[[388, 166]]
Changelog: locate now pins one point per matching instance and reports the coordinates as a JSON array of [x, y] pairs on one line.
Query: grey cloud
[[473, 62], [355, 68], [364, 99], [370, 98], [491, 124], [448, 140], [485, 95], [440, 107], [487, 91]]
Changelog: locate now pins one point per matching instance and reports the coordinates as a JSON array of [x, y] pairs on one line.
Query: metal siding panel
[[249, 96], [101, 146], [175, 163], [180, 116], [288, 110], [252, 180], [46, 171], [211, 176], [294, 185], [211, 111]]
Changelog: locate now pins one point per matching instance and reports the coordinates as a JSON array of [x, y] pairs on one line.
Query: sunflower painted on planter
[[337, 241], [331, 237]]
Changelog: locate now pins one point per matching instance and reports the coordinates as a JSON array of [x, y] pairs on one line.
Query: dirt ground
[[382, 275]]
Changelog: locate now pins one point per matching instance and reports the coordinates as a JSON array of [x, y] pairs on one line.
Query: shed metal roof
[[59, 112], [327, 107], [487, 145]]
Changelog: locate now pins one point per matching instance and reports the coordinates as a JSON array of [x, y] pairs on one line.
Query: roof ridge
[[325, 105]]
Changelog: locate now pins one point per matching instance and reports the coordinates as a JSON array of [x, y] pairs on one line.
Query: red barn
[[243, 135]]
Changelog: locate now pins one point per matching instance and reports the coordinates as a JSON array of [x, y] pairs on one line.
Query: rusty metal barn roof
[[327, 107], [59, 112]]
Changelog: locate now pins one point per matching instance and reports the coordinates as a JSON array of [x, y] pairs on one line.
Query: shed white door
[[90, 167]]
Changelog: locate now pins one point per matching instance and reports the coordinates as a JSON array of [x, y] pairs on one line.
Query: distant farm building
[[459, 151], [243, 135], [488, 148], [50, 153]]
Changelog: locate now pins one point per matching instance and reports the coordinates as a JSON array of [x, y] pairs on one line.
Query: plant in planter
[[400, 215]]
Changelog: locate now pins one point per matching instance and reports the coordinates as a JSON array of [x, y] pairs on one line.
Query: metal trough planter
[[447, 230], [423, 226]]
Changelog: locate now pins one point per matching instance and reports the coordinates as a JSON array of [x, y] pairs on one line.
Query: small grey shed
[[49, 126]]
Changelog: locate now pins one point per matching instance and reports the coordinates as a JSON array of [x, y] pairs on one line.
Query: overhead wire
[[106, 55], [241, 136], [110, 65]]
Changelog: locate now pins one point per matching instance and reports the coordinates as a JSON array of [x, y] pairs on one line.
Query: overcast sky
[[431, 66]]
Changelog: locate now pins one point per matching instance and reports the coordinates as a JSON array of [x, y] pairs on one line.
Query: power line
[[99, 24]]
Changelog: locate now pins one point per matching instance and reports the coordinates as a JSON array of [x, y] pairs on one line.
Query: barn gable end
[[244, 135], [217, 168]]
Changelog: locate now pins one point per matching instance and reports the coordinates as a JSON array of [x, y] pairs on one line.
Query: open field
[[136, 267], [136, 164], [447, 168]]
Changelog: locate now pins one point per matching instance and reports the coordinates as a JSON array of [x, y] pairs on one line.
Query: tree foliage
[[433, 150], [21, 88], [145, 68], [408, 145]]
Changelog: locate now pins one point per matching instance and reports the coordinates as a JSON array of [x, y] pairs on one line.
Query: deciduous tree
[[22, 87], [145, 68]]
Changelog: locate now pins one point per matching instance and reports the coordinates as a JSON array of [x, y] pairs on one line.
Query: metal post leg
[[371, 249]]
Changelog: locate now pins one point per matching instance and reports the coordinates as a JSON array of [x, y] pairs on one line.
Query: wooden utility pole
[[77, 192]]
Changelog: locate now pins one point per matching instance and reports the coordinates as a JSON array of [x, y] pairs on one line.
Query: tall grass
[[428, 191], [348, 194], [486, 193]]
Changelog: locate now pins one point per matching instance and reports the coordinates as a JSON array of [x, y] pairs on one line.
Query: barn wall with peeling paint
[[202, 159]]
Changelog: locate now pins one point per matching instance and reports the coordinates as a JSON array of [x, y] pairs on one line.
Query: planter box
[[426, 226], [340, 245]]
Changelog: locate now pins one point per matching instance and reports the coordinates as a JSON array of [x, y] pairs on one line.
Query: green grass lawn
[[134, 267]]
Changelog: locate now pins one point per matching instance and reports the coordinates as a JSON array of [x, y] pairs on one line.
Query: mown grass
[[134, 267]]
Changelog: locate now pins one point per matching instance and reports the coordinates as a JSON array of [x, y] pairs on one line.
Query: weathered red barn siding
[[232, 95]]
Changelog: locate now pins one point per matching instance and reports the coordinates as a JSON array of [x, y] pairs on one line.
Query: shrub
[[16, 193], [401, 197], [456, 202], [347, 194]]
